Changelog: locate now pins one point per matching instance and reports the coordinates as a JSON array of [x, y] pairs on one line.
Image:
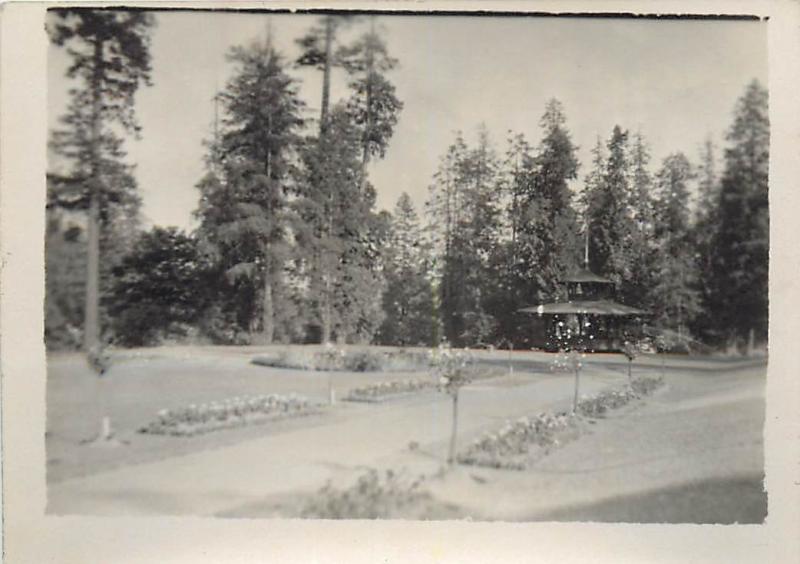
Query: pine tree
[[373, 105], [642, 279], [408, 296], [338, 234], [244, 214], [675, 300], [110, 59], [513, 177], [318, 51], [741, 242], [706, 221], [548, 241], [608, 214]]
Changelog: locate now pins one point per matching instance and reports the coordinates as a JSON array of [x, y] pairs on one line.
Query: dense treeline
[[290, 247]]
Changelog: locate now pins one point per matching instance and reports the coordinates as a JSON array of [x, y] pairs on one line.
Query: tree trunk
[[326, 74], [325, 312], [91, 324], [268, 314], [368, 104], [577, 385], [451, 455], [92, 308]]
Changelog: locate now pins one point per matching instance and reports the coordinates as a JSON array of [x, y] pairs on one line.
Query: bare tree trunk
[[326, 73], [91, 324], [325, 312], [92, 307], [451, 455], [368, 104], [268, 314], [577, 385]]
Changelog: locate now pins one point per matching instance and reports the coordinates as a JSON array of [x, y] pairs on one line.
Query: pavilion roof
[[592, 307], [584, 275]]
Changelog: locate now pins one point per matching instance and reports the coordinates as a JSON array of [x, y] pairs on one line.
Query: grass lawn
[[693, 452]]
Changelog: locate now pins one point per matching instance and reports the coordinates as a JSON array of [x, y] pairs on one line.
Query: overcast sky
[[675, 81]]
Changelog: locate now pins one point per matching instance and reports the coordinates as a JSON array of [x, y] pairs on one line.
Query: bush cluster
[[373, 496]]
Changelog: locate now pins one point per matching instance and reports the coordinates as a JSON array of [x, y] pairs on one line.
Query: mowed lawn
[[693, 452], [143, 381]]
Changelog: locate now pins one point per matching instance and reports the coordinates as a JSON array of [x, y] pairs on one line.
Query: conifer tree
[[373, 105], [608, 214], [110, 60], [338, 233], [244, 214], [674, 298], [465, 216], [408, 298], [704, 227], [637, 291], [318, 50], [741, 243], [547, 241]]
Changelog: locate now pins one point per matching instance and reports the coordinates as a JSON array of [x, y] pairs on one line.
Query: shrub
[[363, 361], [373, 496], [331, 358]]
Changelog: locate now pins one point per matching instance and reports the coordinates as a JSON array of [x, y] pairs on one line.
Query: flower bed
[[517, 443], [387, 390], [514, 444], [235, 412]]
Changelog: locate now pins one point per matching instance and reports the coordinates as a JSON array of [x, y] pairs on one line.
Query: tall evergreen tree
[[465, 216], [674, 298], [373, 105], [244, 214], [110, 60], [608, 214], [547, 240], [741, 243], [318, 50], [408, 296], [706, 220], [338, 233], [642, 206]]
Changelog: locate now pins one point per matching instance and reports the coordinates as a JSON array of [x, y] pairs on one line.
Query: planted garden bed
[[227, 414], [520, 443], [383, 391]]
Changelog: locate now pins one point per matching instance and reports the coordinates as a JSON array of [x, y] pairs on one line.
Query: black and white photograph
[[375, 265]]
